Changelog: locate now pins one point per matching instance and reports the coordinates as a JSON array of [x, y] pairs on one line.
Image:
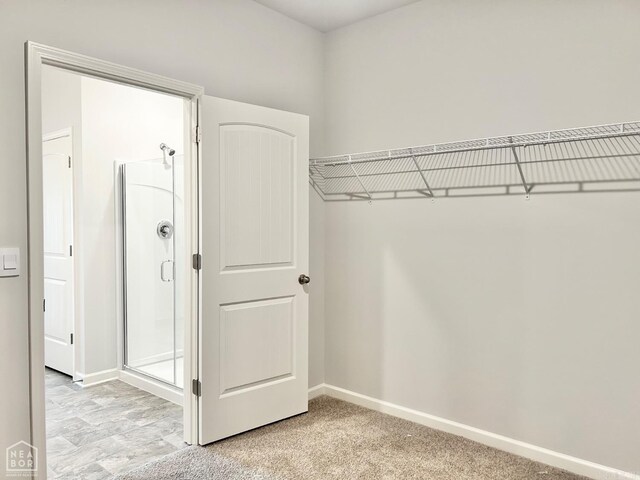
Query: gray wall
[[235, 49], [516, 317], [520, 318]]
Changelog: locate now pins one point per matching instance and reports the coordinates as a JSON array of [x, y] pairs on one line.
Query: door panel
[[256, 197], [254, 323], [264, 328], [58, 264]]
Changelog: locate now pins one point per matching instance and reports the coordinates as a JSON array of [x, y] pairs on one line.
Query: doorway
[[114, 245], [88, 249], [245, 343], [115, 271]]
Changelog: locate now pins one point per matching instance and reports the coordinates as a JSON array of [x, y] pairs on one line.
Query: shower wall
[[149, 301], [155, 267]]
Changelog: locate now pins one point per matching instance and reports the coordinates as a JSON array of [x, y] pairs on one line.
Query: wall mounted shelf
[[597, 158]]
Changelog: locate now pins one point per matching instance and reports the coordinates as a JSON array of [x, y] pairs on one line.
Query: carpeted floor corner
[[343, 441]]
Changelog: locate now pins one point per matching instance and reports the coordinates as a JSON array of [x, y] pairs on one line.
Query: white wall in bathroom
[[120, 123], [61, 109]]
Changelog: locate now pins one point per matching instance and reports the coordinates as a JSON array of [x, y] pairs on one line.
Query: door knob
[[303, 279]]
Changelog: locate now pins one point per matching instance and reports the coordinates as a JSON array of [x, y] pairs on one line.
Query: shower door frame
[[160, 386], [37, 55], [132, 375]]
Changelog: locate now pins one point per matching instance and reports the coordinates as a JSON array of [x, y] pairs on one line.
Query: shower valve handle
[[165, 229]]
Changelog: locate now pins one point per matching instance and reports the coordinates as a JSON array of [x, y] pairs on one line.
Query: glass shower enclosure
[[154, 268]]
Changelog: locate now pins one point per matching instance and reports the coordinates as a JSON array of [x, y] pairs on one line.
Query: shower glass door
[[153, 268]]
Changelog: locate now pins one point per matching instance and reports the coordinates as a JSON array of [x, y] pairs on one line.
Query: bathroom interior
[[120, 313]]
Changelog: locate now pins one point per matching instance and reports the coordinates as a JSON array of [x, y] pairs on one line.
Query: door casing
[[37, 55]]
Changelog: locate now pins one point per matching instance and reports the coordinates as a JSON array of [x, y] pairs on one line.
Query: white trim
[[94, 67], [37, 55], [64, 132], [91, 379], [152, 387], [193, 296], [119, 264], [317, 391], [173, 395], [523, 449]]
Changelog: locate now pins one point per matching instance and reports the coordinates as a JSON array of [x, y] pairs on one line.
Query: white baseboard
[[91, 379], [154, 388], [138, 381], [532, 452], [316, 391]]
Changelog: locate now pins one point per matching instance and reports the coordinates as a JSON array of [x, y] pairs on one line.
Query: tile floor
[[96, 432]]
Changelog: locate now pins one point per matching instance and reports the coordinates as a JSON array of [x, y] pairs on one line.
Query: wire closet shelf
[[597, 158]]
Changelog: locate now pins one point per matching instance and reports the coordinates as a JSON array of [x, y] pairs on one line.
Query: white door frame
[[37, 55], [76, 277]]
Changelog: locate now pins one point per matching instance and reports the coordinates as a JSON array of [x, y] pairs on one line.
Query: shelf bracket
[[527, 187], [317, 170], [316, 186], [424, 179], [311, 179], [359, 180]]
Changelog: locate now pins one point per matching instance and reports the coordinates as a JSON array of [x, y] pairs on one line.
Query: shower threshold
[[149, 382]]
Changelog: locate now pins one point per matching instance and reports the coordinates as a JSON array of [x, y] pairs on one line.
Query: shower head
[[167, 149]]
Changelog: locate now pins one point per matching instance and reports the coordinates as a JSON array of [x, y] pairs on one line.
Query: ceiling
[[326, 15]]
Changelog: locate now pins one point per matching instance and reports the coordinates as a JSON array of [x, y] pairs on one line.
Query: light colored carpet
[[343, 441], [195, 463]]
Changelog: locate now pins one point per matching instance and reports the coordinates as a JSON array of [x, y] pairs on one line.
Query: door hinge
[[71, 250], [196, 134], [71, 338], [196, 387], [197, 261], [44, 305], [69, 162]]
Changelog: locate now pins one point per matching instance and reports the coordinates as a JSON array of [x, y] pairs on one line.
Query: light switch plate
[[9, 262]]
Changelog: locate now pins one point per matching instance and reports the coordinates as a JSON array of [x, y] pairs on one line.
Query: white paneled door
[[58, 264], [255, 246]]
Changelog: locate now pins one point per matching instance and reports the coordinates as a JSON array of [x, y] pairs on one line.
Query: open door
[[255, 247]]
